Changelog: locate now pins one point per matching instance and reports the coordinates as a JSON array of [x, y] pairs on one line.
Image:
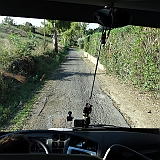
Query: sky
[[37, 22]]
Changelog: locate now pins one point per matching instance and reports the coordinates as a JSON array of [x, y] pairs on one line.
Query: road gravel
[[69, 89]]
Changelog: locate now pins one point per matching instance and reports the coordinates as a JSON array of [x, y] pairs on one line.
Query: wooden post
[[55, 37], [44, 35]]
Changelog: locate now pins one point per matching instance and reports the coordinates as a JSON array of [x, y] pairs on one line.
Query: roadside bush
[[15, 96], [22, 47], [28, 27], [133, 54], [92, 43], [86, 43], [23, 57], [80, 42]]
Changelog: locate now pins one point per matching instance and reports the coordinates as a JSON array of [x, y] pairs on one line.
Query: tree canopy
[[8, 21]]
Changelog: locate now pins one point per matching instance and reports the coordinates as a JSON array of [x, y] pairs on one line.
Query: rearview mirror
[[112, 18]]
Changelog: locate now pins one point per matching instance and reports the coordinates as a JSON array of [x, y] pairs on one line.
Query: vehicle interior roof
[[143, 12]]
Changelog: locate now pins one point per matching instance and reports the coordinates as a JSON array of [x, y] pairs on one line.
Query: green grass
[[17, 99]]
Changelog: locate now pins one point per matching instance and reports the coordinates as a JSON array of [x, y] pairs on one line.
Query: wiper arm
[[103, 125], [97, 127]]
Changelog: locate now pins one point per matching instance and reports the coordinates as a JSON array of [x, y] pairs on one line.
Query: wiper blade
[[97, 127], [103, 125]]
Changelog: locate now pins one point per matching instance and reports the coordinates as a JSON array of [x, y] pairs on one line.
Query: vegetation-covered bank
[[133, 54], [24, 67], [27, 55]]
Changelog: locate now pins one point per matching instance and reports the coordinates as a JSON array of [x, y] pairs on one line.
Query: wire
[[103, 41]]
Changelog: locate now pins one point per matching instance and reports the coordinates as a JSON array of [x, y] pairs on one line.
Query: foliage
[[83, 28], [16, 99], [92, 43], [8, 21], [86, 43], [21, 41], [89, 31], [23, 47], [68, 32], [22, 55], [60, 26], [28, 27], [132, 53], [53, 27], [80, 42], [99, 29], [6, 29], [70, 36], [40, 30]]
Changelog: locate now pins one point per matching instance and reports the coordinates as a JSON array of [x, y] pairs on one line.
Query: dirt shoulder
[[139, 109]]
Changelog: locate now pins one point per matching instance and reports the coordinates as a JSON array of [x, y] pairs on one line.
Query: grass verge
[[17, 98]]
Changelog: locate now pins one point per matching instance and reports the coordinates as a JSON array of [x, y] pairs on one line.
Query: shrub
[[23, 47], [132, 53], [80, 42]]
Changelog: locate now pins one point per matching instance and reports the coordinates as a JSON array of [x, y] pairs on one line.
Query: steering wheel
[[116, 150], [40, 143], [30, 138]]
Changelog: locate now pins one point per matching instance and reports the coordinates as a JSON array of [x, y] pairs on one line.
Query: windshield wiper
[[103, 125], [98, 127]]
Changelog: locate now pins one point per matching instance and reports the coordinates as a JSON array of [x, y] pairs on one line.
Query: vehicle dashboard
[[93, 142], [58, 142]]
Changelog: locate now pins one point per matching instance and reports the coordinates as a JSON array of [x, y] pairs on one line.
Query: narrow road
[[69, 90]]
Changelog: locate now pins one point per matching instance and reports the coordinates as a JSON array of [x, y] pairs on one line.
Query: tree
[[28, 27], [89, 31], [84, 28], [54, 27], [99, 29], [76, 31], [44, 33], [8, 21]]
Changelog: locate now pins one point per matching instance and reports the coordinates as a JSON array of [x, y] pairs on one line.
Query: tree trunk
[[44, 35], [55, 41]]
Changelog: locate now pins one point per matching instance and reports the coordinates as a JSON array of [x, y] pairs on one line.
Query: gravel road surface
[[68, 89]]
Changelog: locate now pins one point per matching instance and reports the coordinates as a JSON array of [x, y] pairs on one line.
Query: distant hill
[[11, 29]]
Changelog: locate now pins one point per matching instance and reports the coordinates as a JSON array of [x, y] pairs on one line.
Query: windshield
[[48, 70]]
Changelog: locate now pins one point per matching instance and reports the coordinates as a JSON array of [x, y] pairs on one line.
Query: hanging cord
[[103, 41]]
